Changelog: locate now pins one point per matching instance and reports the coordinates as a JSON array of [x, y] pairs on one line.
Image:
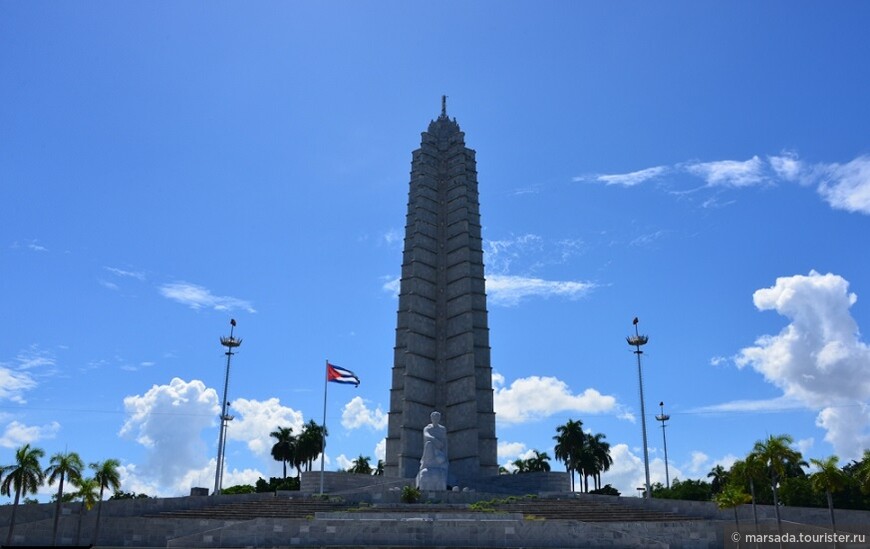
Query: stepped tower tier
[[442, 353]]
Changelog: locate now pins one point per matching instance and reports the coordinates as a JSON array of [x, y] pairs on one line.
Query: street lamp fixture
[[637, 341], [663, 417], [230, 343]]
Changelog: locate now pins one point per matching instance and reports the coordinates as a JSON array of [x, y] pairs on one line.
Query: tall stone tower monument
[[442, 336]]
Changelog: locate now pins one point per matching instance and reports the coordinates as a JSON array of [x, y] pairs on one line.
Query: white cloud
[[381, 449], [17, 434], [847, 186], [109, 285], [805, 444], [343, 462], [125, 274], [535, 397], [647, 239], [699, 460], [818, 359], [627, 472], [197, 297], [13, 384], [508, 451], [633, 178], [168, 420], [34, 357], [257, 419], [842, 186], [393, 236], [391, 285], [133, 480], [777, 404], [729, 173], [500, 254], [356, 414], [509, 290], [787, 166]]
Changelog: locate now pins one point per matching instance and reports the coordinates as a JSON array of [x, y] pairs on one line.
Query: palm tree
[[285, 447], [379, 470], [64, 465], [107, 476], [600, 451], [521, 466], [361, 465], [775, 453], [25, 476], [720, 479], [862, 472], [586, 464], [828, 479], [748, 470], [539, 462], [89, 492], [311, 443], [570, 440], [732, 497]]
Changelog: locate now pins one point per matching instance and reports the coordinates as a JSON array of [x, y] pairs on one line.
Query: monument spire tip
[[443, 106]]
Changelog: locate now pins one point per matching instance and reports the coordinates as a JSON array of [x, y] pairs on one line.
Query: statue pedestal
[[432, 479]]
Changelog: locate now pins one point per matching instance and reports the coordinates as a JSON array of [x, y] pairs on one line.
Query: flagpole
[[323, 425]]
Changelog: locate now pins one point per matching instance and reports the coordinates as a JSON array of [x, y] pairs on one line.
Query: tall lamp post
[[230, 343], [663, 417], [637, 341]]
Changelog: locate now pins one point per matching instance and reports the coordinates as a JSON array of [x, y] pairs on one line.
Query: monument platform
[[294, 519]]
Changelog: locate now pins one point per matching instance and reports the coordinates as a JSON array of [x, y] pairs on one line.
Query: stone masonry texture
[[442, 354]]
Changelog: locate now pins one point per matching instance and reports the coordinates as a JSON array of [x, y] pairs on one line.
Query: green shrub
[[410, 494]]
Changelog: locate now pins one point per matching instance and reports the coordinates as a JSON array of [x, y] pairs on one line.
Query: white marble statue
[[433, 464]]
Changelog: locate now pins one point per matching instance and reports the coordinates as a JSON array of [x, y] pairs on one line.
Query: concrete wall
[[709, 510]]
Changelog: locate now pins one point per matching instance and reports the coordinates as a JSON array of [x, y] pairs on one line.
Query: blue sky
[[167, 167]]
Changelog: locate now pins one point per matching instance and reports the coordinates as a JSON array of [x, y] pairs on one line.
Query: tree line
[[773, 473], [26, 475]]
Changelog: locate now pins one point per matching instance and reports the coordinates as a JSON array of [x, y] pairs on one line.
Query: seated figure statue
[[433, 464]]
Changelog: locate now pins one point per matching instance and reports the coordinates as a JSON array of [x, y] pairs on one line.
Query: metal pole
[[323, 425], [637, 341], [230, 343], [663, 417]]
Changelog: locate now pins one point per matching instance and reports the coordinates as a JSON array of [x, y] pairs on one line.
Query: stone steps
[[585, 511], [279, 508], [545, 509]]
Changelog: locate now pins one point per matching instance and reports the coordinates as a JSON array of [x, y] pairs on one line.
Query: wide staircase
[[531, 508], [273, 508]]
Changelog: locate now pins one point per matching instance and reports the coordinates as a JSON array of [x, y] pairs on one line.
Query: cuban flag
[[341, 375]]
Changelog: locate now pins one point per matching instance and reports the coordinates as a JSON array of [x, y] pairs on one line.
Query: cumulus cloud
[[381, 449], [356, 414], [343, 462], [198, 297], [256, 419], [508, 451], [847, 186], [168, 420], [509, 290], [633, 178], [818, 359], [536, 397], [627, 472], [136, 481], [729, 173], [17, 434]]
